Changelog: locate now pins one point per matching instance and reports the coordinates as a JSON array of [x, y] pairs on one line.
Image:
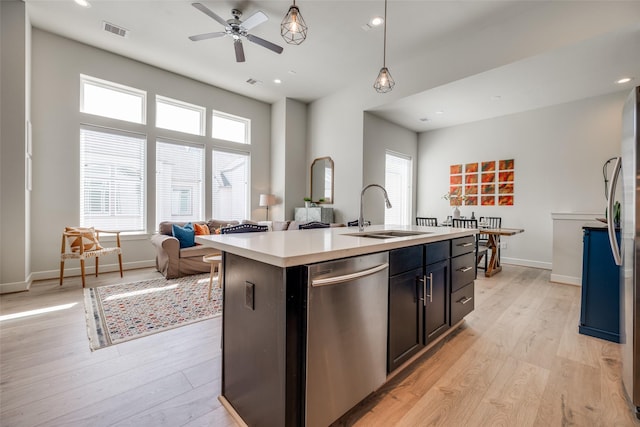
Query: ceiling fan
[[236, 29]]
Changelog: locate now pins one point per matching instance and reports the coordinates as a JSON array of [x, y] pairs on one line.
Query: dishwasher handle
[[348, 277]]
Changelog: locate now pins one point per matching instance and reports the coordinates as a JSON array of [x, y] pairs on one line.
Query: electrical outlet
[[503, 245], [249, 295]]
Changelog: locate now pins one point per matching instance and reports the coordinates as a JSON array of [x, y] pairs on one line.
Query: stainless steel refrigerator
[[627, 169]]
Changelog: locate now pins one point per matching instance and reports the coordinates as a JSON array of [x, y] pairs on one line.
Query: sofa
[[173, 261]]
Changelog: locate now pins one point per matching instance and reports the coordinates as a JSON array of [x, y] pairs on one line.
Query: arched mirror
[[322, 180]]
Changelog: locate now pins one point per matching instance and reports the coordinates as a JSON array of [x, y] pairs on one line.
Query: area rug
[[118, 313]]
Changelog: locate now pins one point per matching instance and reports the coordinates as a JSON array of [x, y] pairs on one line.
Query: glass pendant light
[[384, 83], [293, 28]]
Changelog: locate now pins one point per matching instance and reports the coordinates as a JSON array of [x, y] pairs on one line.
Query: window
[[230, 185], [112, 100], [230, 128], [177, 115], [398, 186], [179, 182], [112, 182]]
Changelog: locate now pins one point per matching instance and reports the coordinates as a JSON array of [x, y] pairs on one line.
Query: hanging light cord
[[384, 48]]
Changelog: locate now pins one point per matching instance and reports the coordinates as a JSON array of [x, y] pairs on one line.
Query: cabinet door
[[436, 300], [405, 318]]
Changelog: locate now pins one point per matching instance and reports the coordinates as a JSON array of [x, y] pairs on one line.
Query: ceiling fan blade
[[237, 44], [204, 9], [207, 36], [264, 43], [254, 20]]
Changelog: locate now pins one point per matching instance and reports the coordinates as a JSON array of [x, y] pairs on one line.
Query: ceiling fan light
[[293, 28], [384, 83]]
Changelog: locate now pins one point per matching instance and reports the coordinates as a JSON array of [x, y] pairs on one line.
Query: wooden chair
[[481, 251], [84, 242], [433, 222], [483, 239], [313, 224]]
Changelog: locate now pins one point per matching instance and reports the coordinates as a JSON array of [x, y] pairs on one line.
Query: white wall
[[559, 152], [380, 136], [57, 64]]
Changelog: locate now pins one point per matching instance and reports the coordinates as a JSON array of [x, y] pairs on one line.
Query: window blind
[[179, 182], [112, 179]]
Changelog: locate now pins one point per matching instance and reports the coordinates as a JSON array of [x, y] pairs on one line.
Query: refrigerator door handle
[[613, 241]]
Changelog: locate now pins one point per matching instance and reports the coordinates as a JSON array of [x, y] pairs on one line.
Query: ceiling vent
[[253, 81], [114, 29]]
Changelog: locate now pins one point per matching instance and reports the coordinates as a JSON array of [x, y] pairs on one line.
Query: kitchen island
[[300, 348]]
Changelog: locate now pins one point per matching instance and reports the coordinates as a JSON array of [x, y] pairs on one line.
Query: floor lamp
[[267, 200]]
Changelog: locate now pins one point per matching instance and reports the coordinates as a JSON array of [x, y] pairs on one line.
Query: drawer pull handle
[[465, 300], [465, 269], [466, 245]]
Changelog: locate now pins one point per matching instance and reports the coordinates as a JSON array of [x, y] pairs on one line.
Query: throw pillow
[[201, 229], [86, 238], [185, 235]]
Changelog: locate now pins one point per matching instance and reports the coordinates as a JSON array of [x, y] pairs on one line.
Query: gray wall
[[559, 153], [57, 64]]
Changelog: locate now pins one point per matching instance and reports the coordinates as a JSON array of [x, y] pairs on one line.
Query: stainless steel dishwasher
[[346, 334]]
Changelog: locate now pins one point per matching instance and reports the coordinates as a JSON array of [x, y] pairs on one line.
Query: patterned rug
[[118, 313]]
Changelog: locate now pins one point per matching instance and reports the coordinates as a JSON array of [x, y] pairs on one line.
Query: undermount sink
[[388, 234]]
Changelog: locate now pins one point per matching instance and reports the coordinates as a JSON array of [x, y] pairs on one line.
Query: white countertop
[[297, 247]]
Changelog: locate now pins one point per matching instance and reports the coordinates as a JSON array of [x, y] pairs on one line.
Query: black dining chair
[[313, 224], [483, 239], [354, 223], [481, 251], [428, 221], [244, 228]]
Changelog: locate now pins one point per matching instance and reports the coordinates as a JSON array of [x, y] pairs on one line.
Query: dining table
[[493, 243]]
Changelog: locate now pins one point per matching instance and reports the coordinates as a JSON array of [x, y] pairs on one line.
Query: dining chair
[[244, 228], [481, 251], [483, 239], [313, 224], [84, 242], [429, 221], [354, 223]]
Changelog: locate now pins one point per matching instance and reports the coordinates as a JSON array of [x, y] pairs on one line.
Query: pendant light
[[293, 28], [384, 83]]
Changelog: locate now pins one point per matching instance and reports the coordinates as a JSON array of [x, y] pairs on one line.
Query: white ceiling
[[540, 53]]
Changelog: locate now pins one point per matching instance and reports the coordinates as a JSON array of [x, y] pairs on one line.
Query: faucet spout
[[386, 200]]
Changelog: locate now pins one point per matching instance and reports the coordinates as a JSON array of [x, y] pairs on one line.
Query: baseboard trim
[[566, 280], [7, 288], [526, 263]]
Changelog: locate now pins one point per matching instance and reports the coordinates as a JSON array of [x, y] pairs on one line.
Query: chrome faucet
[[386, 199]]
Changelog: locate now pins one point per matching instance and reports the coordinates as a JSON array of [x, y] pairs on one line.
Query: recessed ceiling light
[[83, 3], [277, 81], [439, 112], [376, 21], [624, 80]]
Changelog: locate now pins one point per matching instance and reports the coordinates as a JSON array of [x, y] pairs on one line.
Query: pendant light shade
[[384, 83], [293, 28]]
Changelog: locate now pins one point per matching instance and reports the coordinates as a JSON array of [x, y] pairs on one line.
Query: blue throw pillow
[[185, 235]]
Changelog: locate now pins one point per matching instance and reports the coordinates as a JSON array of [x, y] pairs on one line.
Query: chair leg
[[120, 262], [97, 258], [61, 271], [213, 266], [220, 275], [82, 271]]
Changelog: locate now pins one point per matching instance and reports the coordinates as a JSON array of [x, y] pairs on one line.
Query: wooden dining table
[[493, 243]]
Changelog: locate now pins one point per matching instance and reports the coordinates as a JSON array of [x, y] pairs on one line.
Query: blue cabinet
[[600, 305]]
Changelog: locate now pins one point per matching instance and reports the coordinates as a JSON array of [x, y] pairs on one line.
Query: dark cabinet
[[418, 299], [600, 305], [463, 273]]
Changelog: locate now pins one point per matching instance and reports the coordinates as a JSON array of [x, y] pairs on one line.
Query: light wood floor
[[517, 361]]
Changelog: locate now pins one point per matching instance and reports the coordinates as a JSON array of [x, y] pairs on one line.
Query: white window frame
[[247, 201], [404, 200], [84, 79], [231, 117], [187, 106]]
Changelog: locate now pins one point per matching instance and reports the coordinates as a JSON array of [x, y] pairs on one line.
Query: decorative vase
[[306, 204], [456, 213]]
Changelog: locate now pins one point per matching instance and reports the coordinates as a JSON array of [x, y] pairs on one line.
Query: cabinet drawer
[[463, 245], [434, 252], [462, 303], [463, 270], [405, 259]]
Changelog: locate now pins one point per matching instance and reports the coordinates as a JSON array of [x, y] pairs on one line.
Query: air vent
[[114, 29], [253, 81]]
